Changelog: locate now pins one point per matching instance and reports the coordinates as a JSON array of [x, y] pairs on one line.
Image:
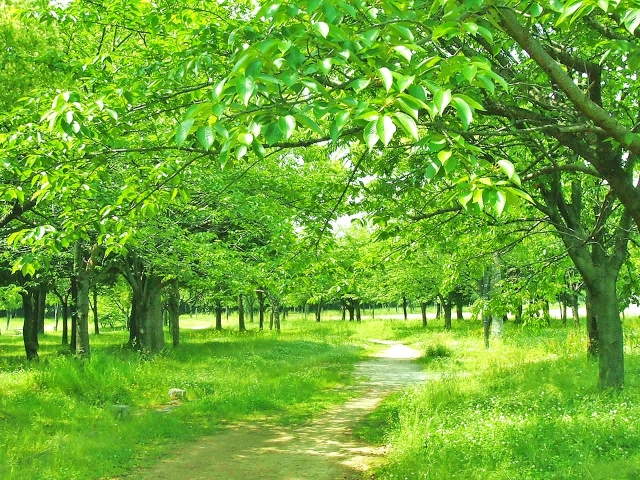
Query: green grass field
[[525, 409]]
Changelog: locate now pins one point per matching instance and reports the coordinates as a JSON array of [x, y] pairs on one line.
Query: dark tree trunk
[[358, 312], [459, 313], [344, 310], [404, 306], [447, 314], [146, 326], [438, 310], [241, 325], [593, 340], [173, 308], [318, 310], [423, 311], [219, 311], [65, 322], [30, 325], [94, 309]]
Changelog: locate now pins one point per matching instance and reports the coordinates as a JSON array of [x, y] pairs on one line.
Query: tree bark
[[423, 311], [593, 340], [82, 272], [319, 310], [260, 294], [404, 306], [30, 325], [358, 312], [219, 311]]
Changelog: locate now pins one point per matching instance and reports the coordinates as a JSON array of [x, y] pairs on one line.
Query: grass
[[527, 408], [58, 412]]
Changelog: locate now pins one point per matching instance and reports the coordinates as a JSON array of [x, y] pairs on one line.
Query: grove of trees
[[161, 154]]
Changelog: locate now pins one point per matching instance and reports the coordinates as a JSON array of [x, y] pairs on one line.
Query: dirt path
[[324, 449]]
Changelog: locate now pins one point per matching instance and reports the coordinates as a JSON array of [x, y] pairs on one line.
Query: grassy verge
[[57, 416], [527, 408]]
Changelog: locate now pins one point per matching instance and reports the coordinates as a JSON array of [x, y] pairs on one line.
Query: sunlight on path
[[321, 450]]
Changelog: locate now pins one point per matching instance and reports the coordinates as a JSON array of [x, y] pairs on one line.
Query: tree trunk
[[447, 315], [546, 312], [30, 325], [94, 308], [82, 272], [151, 324], [219, 311], [275, 308], [604, 304], [65, 322], [404, 306], [358, 312], [459, 313], [260, 294], [241, 325], [318, 310], [74, 315], [593, 340], [423, 311], [173, 308], [344, 310], [574, 309]]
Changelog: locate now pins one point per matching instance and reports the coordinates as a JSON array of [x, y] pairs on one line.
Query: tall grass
[[527, 408]]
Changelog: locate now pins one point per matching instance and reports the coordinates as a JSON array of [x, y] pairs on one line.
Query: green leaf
[[308, 122], [501, 201], [464, 111], [469, 71], [404, 51], [245, 138], [287, 125], [385, 128], [370, 134], [359, 84], [387, 78], [442, 99], [322, 28], [408, 125], [507, 168], [205, 136], [245, 88], [183, 131]]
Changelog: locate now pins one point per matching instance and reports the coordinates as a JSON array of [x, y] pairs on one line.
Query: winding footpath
[[324, 449]]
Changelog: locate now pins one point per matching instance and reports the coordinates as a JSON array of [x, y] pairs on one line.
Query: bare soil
[[323, 449]]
